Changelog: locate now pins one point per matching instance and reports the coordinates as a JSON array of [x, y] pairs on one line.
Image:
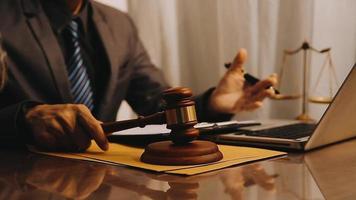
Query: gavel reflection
[[179, 115], [187, 190]]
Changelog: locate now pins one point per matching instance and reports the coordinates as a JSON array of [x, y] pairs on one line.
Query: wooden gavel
[[179, 115]]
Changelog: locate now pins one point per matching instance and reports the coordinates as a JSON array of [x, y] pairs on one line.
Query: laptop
[[338, 123]]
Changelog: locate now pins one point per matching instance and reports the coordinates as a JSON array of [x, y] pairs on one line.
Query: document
[[119, 154]]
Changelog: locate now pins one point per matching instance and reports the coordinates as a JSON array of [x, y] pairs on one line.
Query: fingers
[[239, 60], [63, 141], [92, 127], [263, 94], [253, 106], [81, 140], [75, 132], [255, 94], [44, 140], [264, 84], [248, 106], [66, 127]]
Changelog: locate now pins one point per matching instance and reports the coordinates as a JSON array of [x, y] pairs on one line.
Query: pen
[[251, 79]]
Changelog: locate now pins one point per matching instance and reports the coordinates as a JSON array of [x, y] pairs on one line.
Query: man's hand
[[66, 127], [234, 95]]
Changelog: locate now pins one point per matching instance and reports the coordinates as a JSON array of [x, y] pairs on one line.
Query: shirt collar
[[59, 14]]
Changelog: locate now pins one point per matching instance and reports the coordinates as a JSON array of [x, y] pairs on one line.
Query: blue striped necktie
[[80, 86]]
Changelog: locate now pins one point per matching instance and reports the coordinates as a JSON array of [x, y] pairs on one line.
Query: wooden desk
[[326, 173]]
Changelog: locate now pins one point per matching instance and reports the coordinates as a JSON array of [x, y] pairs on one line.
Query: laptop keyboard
[[292, 131]]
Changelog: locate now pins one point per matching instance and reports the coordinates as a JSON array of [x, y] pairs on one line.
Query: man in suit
[[71, 63]]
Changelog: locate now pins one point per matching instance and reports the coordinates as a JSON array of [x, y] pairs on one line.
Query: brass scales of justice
[[319, 99]]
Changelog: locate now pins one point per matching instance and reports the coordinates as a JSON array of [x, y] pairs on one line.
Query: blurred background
[[191, 40]]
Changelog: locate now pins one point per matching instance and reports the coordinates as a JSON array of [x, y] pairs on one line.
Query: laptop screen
[[339, 121]]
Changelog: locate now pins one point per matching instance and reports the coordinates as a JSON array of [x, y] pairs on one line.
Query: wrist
[[207, 108], [211, 104]]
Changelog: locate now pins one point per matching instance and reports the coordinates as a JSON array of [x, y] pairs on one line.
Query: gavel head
[[180, 115]]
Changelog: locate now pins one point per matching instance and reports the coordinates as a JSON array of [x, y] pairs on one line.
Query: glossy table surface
[[327, 173]]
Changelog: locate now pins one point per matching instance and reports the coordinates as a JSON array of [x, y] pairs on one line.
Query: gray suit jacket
[[37, 70]]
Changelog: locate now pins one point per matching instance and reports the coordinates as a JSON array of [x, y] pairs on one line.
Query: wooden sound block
[[193, 153]]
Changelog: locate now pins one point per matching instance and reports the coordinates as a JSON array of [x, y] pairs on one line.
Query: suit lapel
[[108, 40], [115, 52], [40, 27]]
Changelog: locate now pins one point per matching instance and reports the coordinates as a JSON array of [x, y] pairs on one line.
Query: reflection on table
[[24, 175]]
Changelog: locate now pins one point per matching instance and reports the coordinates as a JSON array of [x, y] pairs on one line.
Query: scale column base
[[305, 118]]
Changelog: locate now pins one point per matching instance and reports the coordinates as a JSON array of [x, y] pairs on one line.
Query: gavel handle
[[157, 118]]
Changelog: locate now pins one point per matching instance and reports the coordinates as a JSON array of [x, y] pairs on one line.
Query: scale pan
[[320, 99], [285, 97]]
